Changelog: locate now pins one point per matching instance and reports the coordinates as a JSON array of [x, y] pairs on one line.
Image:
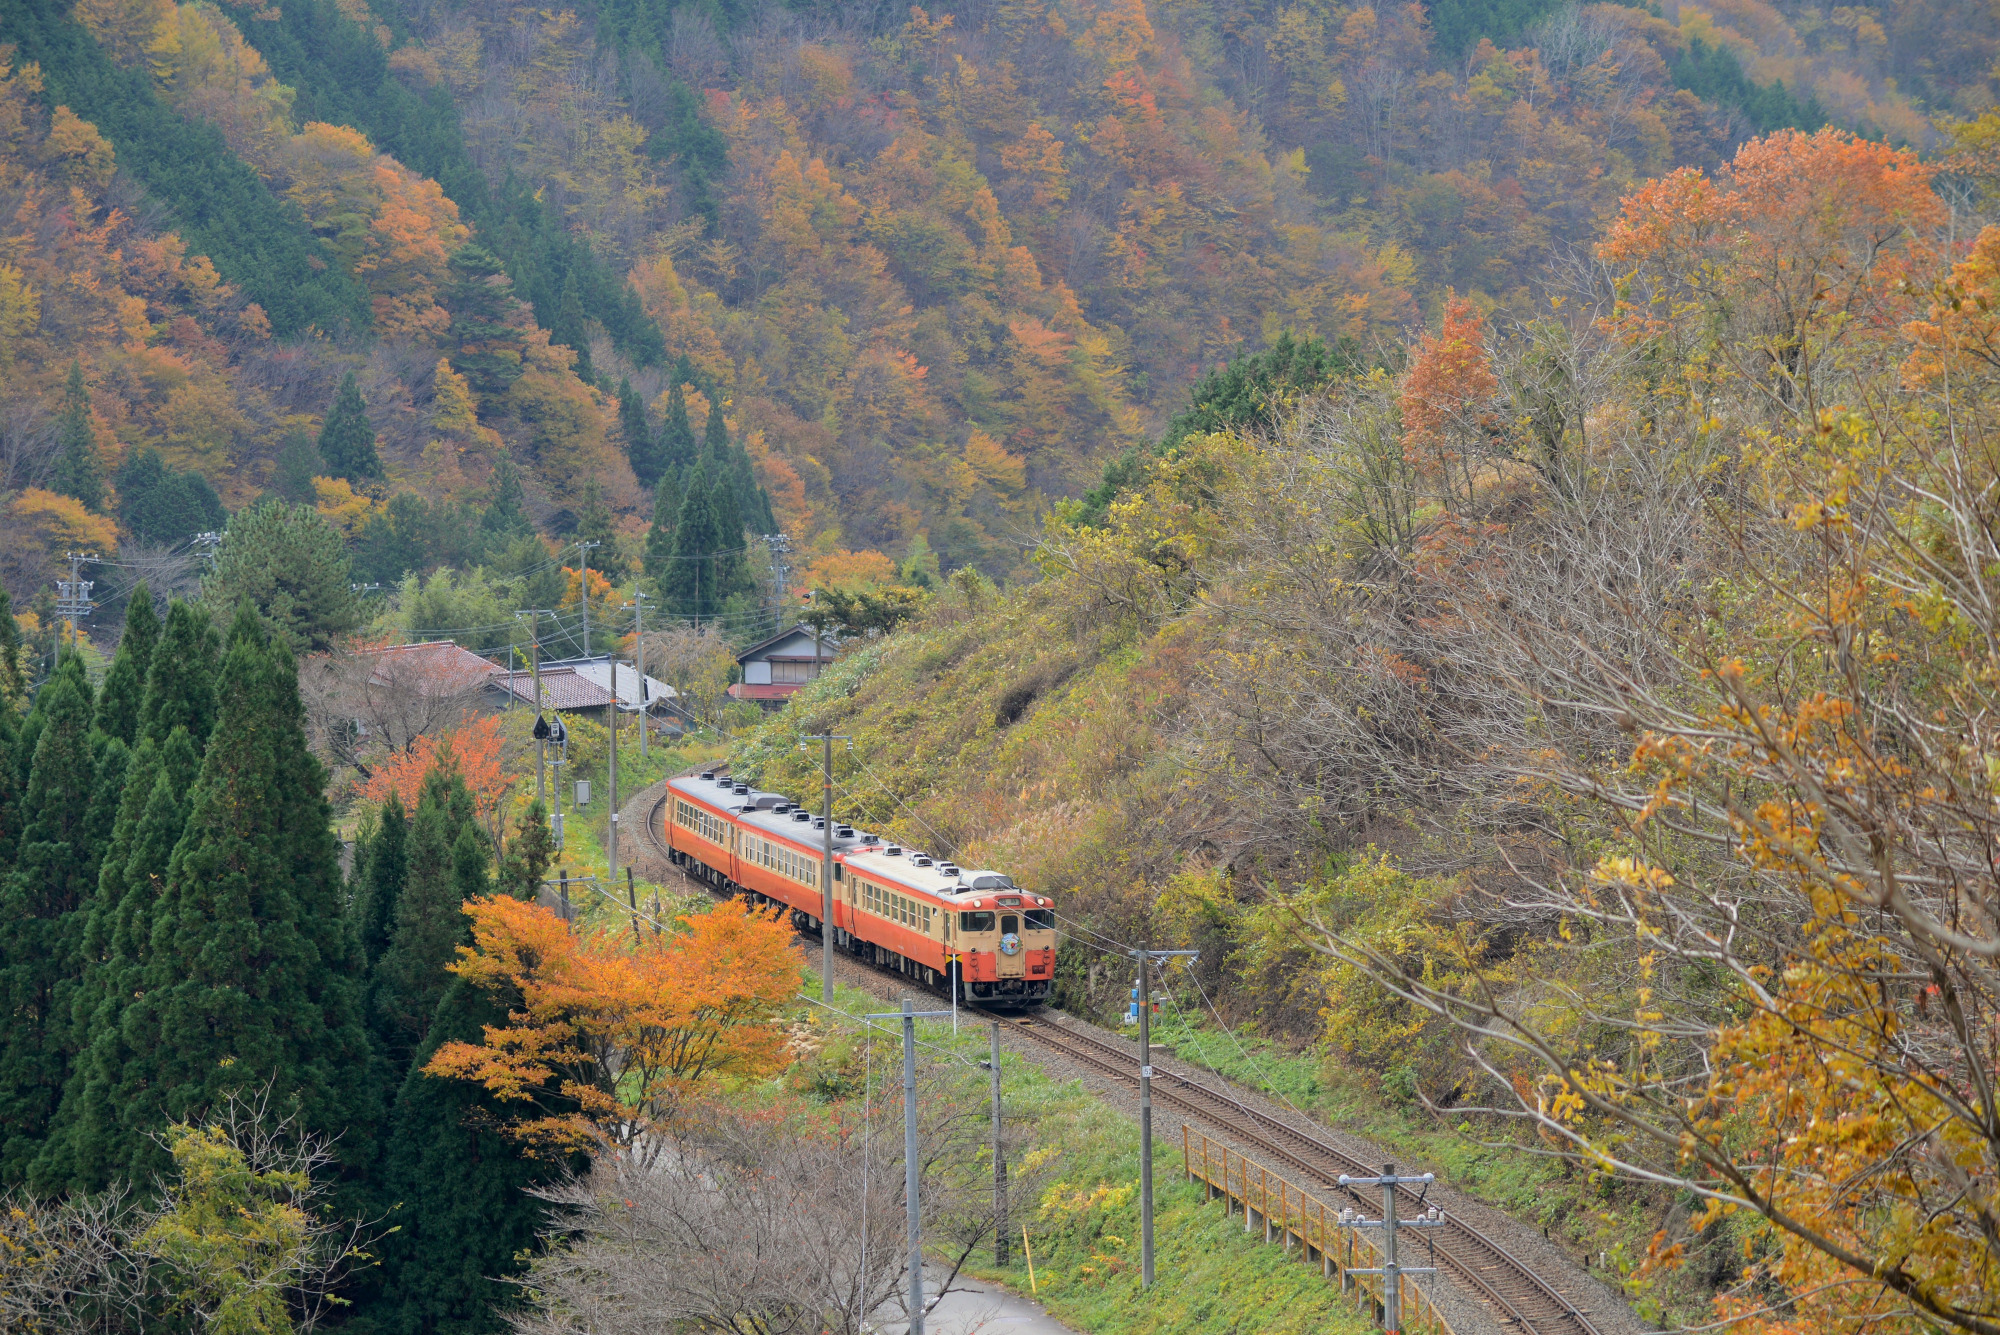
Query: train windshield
[[1042, 918], [975, 922], [1009, 923]]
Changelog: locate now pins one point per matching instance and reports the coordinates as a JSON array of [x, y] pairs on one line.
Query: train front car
[[919, 914]]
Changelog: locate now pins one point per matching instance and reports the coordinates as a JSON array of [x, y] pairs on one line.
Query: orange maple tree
[[473, 749], [607, 1035], [1445, 399], [1805, 243]]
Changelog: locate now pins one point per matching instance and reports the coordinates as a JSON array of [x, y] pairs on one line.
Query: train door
[[1013, 961]]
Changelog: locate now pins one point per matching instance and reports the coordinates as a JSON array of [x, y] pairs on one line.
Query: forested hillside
[[930, 270], [1477, 517]]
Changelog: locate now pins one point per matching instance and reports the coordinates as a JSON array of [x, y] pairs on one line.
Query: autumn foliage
[[606, 1035], [473, 749]]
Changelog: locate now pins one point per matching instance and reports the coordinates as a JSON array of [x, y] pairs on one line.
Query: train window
[[838, 872], [1042, 918], [975, 922], [1009, 923]]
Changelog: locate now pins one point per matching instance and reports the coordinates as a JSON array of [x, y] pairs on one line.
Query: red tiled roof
[[776, 690], [562, 688], [439, 666]]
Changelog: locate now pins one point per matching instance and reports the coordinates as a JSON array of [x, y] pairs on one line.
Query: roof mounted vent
[[724, 781], [947, 870], [708, 774], [819, 823], [893, 850], [781, 808], [800, 813], [844, 831], [921, 860], [742, 790]]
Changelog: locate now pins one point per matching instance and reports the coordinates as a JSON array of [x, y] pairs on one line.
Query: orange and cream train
[[892, 906]]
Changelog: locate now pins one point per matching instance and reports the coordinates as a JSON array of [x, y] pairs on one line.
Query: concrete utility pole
[[73, 597], [913, 1225], [639, 653], [1145, 1000], [534, 616], [584, 595], [1391, 1272], [826, 866], [611, 778], [999, 1160]]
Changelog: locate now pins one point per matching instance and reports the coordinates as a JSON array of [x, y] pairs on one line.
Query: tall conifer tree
[[642, 444], [43, 908], [659, 556], [379, 884], [347, 439], [79, 472], [464, 1219], [13, 679], [689, 584], [729, 563], [507, 511], [107, 1109], [444, 869], [180, 679], [123, 695], [252, 979], [677, 443], [715, 441]]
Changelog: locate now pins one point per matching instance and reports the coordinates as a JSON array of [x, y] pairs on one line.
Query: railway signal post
[[1145, 1000], [913, 1225], [1391, 1272]]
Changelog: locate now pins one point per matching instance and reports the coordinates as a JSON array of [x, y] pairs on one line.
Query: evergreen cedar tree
[[677, 446], [106, 1118], [122, 697], [180, 680], [292, 566], [377, 881], [162, 505], [42, 909], [253, 976], [444, 867], [347, 440], [79, 473], [298, 464]]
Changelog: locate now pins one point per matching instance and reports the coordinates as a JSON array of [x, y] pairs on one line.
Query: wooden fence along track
[[1288, 1213], [1488, 1269], [1521, 1297]]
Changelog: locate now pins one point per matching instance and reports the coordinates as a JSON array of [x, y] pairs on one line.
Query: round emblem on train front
[[1010, 944]]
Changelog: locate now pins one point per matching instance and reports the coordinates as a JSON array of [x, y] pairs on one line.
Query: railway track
[[1522, 1298]]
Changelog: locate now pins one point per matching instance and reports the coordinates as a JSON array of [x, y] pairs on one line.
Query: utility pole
[[534, 616], [639, 652], [1145, 999], [584, 598], [1391, 1272], [826, 866], [611, 777], [913, 1225], [999, 1160], [73, 597]]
